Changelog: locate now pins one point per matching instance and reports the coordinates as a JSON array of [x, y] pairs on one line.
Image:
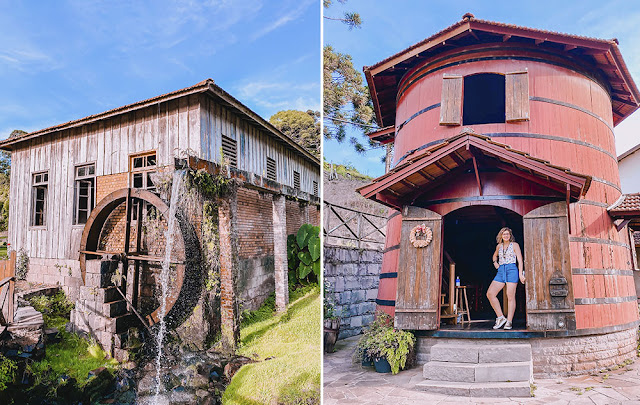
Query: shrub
[[22, 264], [303, 253], [7, 371]]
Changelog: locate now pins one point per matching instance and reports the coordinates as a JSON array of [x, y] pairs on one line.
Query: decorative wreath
[[419, 231]]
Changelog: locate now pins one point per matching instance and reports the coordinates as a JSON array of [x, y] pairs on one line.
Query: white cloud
[[284, 19]]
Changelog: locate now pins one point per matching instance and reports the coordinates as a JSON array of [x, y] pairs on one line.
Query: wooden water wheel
[[132, 254]]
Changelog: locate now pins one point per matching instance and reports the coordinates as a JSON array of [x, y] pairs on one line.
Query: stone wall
[[353, 275], [562, 356]]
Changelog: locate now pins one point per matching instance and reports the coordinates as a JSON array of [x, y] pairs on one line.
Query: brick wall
[[353, 276], [255, 227], [106, 185]]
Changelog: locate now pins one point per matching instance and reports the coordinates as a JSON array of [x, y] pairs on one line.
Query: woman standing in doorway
[[506, 255]]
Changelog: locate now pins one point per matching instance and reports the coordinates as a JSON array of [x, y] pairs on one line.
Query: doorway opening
[[469, 242]]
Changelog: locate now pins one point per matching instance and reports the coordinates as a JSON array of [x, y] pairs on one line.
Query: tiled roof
[[626, 203]]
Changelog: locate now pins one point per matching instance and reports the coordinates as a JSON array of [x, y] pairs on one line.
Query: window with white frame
[[40, 183], [84, 191]]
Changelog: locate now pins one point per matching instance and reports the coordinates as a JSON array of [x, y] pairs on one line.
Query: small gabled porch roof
[[627, 209], [435, 165]]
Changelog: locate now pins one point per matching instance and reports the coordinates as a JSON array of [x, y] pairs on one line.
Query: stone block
[[344, 298], [503, 372], [371, 294], [505, 353], [357, 296], [356, 322], [338, 285], [455, 353], [501, 390], [367, 319], [447, 371]]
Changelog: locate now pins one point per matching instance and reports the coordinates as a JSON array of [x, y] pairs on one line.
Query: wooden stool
[[462, 306]]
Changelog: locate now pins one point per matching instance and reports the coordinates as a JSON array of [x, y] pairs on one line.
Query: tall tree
[[301, 126], [347, 102]]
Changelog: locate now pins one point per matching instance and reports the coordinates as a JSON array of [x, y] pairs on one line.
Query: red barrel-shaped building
[[497, 125]]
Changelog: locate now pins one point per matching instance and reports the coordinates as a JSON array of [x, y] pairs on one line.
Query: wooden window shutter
[[451, 105], [517, 96]]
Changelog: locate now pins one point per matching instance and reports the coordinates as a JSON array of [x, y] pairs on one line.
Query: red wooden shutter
[[451, 105], [517, 96], [418, 293]]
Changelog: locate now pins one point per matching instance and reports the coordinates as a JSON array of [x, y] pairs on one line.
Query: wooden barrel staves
[[386, 299]]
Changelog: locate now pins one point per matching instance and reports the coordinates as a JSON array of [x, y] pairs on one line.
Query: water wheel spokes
[[90, 241]]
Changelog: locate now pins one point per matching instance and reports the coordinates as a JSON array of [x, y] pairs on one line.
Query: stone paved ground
[[345, 383]]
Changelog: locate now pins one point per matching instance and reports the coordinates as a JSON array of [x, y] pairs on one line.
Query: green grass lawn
[[291, 342]]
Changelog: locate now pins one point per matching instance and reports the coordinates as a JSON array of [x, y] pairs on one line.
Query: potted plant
[[388, 347], [331, 320]]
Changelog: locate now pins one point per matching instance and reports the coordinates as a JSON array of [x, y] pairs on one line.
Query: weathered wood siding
[[254, 146], [167, 128], [418, 296], [547, 257]]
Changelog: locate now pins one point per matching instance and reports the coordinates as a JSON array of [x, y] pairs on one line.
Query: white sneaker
[[499, 322], [507, 325]]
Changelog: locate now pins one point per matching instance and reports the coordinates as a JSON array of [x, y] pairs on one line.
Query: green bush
[[7, 371], [55, 309], [303, 254]]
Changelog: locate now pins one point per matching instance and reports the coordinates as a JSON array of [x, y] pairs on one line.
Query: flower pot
[[382, 365], [367, 362]]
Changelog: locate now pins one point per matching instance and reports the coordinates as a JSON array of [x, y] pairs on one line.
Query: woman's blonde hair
[[499, 236]]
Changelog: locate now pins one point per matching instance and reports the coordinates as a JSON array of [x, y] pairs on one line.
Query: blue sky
[[64, 60], [391, 26]]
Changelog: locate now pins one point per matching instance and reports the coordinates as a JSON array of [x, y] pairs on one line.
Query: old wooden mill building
[[497, 125], [79, 190]]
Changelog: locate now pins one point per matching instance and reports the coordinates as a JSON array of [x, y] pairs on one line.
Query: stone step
[[114, 308], [478, 389], [477, 372], [422, 358], [122, 323], [481, 353]]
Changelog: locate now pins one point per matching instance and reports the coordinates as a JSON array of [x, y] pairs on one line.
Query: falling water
[[176, 194]]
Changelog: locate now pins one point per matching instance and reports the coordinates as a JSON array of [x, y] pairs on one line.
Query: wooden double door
[[547, 262]]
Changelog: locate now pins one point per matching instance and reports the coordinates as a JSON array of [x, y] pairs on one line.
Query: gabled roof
[[627, 209], [627, 204], [426, 170], [604, 56], [206, 86]]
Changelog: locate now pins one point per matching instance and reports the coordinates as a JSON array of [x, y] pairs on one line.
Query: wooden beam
[[568, 206], [442, 166], [407, 183], [426, 176], [457, 158], [127, 229], [505, 38], [473, 34], [475, 169], [530, 177], [437, 182], [538, 41], [569, 47], [622, 224]]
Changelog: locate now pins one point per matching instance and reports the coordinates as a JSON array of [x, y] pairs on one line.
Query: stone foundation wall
[[61, 272], [563, 356], [353, 275]]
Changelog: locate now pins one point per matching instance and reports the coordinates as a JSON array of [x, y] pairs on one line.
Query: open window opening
[[484, 99], [470, 240]]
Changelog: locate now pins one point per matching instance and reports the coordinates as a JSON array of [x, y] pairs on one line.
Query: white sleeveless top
[[509, 256]]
